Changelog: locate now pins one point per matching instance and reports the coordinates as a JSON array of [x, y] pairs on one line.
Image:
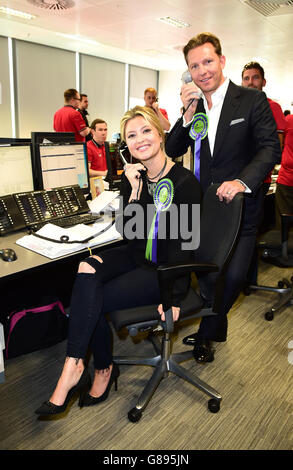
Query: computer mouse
[[7, 254]]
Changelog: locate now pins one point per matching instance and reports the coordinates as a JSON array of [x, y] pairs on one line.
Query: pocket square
[[236, 121]]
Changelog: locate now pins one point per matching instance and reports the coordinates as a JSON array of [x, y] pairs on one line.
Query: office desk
[[28, 261], [32, 275]]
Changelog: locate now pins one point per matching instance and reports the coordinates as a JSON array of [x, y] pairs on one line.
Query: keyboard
[[70, 221]]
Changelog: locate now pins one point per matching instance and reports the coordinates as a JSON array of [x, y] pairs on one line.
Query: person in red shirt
[[253, 76], [284, 191], [151, 101], [68, 119], [96, 148]]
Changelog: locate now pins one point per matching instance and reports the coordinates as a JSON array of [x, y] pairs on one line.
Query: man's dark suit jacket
[[246, 145]]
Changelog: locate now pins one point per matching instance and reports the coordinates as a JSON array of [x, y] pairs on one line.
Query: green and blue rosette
[[198, 131], [163, 197]]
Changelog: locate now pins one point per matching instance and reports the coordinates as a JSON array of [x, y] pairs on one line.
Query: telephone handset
[[122, 150]]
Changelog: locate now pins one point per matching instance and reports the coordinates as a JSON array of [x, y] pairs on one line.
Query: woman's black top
[[177, 221]]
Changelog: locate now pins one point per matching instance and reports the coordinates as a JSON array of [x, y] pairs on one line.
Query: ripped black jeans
[[117, 283]]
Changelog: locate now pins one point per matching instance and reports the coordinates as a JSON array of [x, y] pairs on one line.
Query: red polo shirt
[[68, 119], [280, 122], [164, 112], [96, 156], [285, 175]]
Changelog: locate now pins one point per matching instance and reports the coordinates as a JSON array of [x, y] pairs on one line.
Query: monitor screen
[[54, 137], [63, 165], [16, 174]]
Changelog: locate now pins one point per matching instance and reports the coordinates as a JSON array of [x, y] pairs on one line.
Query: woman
[[118, 277]]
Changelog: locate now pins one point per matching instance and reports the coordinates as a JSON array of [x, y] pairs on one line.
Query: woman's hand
[[175, 312], [133, 175]]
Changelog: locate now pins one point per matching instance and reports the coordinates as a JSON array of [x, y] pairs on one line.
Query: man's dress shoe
[[202, 351], [202, 348], [190, 340]]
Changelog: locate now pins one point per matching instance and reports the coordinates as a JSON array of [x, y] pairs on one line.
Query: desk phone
[[27, 209]]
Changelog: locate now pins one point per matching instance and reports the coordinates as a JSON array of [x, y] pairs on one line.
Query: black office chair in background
[[219, 229], [276, 250]]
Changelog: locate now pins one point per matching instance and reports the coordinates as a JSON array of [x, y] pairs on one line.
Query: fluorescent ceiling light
[[174, 22], [75, 37], [19, 14]]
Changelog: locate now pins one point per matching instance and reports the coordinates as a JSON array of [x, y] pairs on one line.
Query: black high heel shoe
[[83, 385], [89, 400]]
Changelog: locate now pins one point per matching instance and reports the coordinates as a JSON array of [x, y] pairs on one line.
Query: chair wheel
[[213, 405], [134, 415], [269, 316]]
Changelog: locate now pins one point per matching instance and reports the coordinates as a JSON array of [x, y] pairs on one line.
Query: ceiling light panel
[[174, 22], [17, 13]]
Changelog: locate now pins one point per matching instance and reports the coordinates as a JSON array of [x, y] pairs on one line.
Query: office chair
[[276, 251], [219, 229]]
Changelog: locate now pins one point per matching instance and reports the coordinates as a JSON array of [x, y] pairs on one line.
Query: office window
[[104, 82], [5, 111], [140, 78], [42, 75]]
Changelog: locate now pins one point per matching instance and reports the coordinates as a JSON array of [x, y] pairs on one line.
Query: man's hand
[[229, 189], [188, 93]]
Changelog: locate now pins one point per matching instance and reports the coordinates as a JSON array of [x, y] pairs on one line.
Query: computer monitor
[[16, 174], [53, 137], [62, 165], [43, 138], [14, 140]]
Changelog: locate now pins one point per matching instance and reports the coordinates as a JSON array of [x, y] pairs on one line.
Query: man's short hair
[[200, 40], [95, 122], [254, 65], [69, 94], [150, 90], [82, 95]]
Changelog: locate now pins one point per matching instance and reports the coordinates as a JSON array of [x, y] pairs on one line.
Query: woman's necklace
[[152, 184]]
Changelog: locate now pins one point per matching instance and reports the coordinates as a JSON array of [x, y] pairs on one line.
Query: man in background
[[151, 101], [253, 76], [98, 149], [68, 119], [82, 108]]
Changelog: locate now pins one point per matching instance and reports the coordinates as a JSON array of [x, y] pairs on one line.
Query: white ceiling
[[129, 31]]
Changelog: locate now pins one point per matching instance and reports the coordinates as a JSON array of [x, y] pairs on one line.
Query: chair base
[[164, 363], [285, 291]]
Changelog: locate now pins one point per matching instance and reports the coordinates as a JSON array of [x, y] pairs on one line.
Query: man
[[253, 76], [240, 149], [68, 119], [151, 101], [98, 149], [82, 108]]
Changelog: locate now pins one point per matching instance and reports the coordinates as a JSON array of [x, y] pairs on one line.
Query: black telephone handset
[[122, 150]]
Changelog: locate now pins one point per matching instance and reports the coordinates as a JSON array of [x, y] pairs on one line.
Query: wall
[[42, 73]]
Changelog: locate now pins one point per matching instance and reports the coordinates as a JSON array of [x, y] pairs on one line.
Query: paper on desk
[[102, 201], [80, 232]]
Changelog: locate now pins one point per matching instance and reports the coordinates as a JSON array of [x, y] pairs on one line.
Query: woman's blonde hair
[[148, 114]]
